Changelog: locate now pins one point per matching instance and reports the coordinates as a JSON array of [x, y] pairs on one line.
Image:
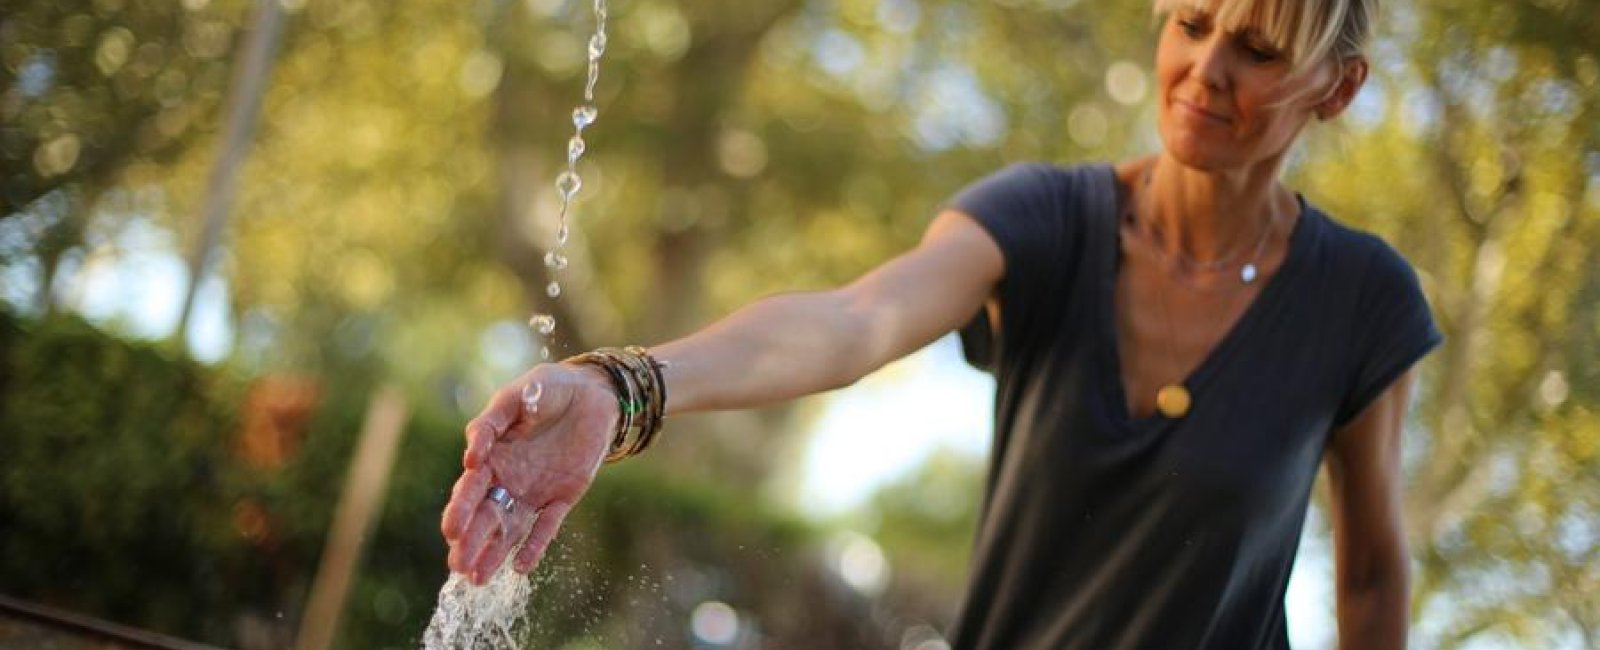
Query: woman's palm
[[545, 454]]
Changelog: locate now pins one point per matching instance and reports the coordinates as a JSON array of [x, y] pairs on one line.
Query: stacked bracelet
[[641, 396]]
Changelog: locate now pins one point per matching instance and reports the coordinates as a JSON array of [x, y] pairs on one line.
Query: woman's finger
[[544, 530], [465, 497], [494, 421], [480, 440], [514, 526], [480, 576], [485, 524]]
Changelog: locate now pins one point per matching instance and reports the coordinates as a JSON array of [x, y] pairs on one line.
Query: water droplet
[[575, 148], [553, 290], [568, 183], [562, 234], [597, 45], [555, 260], [543, 323], [544, 353], [584, 115], [530, 396]]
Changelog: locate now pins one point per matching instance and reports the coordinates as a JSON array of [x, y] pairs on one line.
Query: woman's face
[[1231, 99]]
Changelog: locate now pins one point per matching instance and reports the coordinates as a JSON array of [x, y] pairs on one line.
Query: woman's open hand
[[545, 454]]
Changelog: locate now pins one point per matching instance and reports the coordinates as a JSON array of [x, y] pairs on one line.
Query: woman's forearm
[[795, 344], [778, 348], [1374, 616]]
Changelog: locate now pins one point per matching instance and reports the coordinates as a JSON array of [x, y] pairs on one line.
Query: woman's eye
[[1261, 54], [1191, 28]]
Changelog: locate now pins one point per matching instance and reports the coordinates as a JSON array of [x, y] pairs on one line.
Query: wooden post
[[353, 518], [244, 105]]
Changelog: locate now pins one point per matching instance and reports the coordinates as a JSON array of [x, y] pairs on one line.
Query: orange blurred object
[[276, 412]]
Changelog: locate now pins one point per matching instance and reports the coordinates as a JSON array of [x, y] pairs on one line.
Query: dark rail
[[95, 627]]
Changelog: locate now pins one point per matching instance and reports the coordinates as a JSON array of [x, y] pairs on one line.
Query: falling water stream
[[569, 182], [493, 615]]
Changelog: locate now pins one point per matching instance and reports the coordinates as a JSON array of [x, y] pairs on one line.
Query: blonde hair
[[1308, 31]]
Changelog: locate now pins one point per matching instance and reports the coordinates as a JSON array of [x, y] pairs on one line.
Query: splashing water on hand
[[492, 616], [530, 397], [469, 616]]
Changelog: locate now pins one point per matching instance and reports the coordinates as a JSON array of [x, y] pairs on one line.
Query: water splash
[[580, 602], [491, 616], [570, 601]]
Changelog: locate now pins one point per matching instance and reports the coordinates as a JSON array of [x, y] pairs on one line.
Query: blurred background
[[261, 260]]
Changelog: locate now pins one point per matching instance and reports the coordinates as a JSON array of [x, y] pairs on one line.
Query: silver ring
[[502, 497]]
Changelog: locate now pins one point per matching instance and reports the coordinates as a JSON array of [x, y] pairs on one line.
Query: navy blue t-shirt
[[1104, 532]]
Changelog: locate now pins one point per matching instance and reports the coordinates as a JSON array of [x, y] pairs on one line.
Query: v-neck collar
[[1113, 389]]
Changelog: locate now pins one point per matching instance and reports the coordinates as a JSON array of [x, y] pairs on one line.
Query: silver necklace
[[1249, 272]]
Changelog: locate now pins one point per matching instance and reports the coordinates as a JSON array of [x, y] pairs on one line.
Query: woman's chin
[[1202, 156], [1214, 152], [1195, 149]]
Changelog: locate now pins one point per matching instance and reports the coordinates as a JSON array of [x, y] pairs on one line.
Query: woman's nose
[[1211, 62]]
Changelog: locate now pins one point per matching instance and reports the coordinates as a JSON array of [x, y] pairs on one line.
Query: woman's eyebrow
[[1257, 38], [1250, 33]]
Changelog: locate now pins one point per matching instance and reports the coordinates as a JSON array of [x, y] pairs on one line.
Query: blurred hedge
[[113, 487]]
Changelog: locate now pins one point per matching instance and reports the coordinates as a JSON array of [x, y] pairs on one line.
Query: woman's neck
[[1207, 216]]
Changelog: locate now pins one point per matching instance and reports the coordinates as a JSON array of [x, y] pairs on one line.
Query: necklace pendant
[[1173, 401], [1248, 273]]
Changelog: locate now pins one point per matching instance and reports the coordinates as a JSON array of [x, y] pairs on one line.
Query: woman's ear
[[1352, 75]]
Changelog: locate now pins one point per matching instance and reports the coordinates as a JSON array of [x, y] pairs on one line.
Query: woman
[[1179, 342]]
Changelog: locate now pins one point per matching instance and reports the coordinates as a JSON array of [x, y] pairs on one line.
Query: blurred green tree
[[91, 88]]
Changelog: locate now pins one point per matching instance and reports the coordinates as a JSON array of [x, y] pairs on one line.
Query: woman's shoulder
[[1057, 175], [1359, 254], [1039, 189]]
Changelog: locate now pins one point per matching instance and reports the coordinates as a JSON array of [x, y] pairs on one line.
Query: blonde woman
[[1179, 342]]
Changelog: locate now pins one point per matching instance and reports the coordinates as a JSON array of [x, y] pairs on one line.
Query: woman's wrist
[[636, 382], [590, 375]]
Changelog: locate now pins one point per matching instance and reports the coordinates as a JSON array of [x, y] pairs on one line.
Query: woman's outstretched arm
[[778, 348], [796, 344]]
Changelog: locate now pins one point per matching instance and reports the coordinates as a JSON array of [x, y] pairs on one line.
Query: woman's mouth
[[1195, 112]]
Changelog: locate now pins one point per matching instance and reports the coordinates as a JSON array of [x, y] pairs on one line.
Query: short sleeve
[[1022, 208], [1018, 207], [1395, 330]]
